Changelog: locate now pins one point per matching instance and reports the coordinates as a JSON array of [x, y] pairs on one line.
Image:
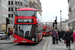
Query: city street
[[40, 46], [45, 44], [37, 24]]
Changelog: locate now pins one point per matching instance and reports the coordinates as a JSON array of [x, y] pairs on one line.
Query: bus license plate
[[24, 41]]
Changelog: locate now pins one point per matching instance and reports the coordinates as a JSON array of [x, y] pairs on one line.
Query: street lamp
[[60, 20]]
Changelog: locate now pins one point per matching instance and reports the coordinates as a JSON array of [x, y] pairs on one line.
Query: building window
[[15, 8], [9, 9], [38, 10], [18, 8], [8, 2], [8, 15], [30, 2], [12, 9], [21, 3], [69, 9], [11, 2], [26, 1], [26, 5], [33, 7], [11, 15], [15, 2], [18, 3]]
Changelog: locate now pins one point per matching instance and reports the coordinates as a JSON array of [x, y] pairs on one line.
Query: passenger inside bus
[[26, 33]]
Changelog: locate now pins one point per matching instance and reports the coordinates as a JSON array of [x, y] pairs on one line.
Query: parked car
[[2, 35]]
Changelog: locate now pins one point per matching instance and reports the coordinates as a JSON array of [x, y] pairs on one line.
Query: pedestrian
[[64, 35], [72, 39], [63, 32], [74, 35], [9, 35], [6, 35], [67, 39], [57, 37], [53, 36], [26, 33], [61, 35]]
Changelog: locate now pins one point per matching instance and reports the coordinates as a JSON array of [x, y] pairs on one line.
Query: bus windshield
[[44, 29], [25, 30], [26, 13]]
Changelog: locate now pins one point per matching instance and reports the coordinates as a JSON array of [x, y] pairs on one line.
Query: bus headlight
[[15, 39], [33, 39]]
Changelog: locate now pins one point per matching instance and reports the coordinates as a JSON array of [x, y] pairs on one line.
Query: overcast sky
[[51, 8]]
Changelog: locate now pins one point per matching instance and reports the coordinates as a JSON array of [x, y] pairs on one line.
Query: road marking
[[44, 48], [5, 45], [49, 44], [72, 47]]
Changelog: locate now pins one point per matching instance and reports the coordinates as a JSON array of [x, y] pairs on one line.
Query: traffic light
[[7, 20], [55, 22]]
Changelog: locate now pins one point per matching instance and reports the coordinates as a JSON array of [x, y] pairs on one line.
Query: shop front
[[3, 27], [70, 25], [11, 30], [74, 25]]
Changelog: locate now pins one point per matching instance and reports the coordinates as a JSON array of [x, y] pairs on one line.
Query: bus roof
[[30, 9]]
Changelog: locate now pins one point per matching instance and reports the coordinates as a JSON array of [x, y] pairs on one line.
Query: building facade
[[65, 25], [3, 14], [71, 14], [36, 4], [13, 5], [58, 26]]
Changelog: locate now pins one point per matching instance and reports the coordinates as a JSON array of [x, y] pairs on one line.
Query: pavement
[[59, 46], [7, 41]]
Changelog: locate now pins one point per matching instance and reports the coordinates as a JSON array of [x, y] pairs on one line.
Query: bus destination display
[[25, 20]]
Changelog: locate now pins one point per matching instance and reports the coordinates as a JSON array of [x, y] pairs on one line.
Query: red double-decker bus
[[28, 26], [46, 31]]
